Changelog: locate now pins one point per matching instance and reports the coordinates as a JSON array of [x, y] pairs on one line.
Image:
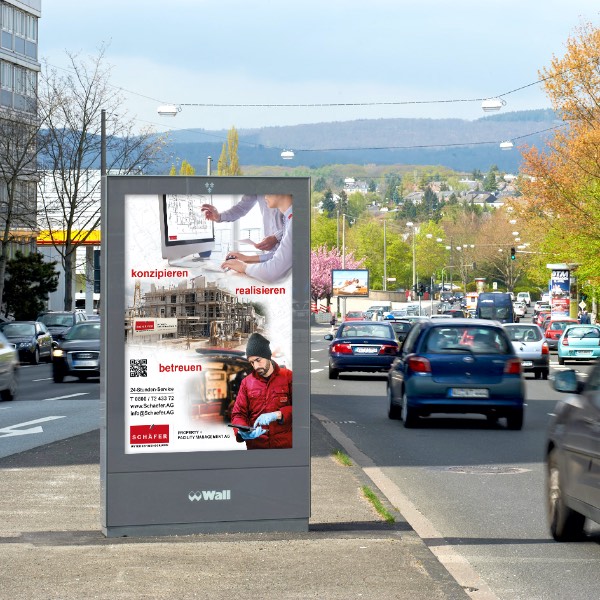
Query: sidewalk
[[51, 546]]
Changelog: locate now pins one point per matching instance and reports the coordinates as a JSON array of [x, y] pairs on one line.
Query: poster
[[559, 293], [350, 282], [204, 273]]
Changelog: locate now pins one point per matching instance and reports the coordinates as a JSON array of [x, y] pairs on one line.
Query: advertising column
[[206, 388], [560, 289]]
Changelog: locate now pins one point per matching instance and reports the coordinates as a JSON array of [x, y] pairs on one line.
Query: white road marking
[[44, 379], [316, 370], [318, 350], [63, 397], [12, 430], [458, 566]]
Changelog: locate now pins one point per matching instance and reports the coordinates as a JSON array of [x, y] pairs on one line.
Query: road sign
[[582, 305]]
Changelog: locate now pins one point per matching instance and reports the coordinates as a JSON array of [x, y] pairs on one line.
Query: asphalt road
[[479, 485], [45, 412]]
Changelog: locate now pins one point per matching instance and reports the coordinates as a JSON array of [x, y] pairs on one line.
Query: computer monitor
[[186, 234]]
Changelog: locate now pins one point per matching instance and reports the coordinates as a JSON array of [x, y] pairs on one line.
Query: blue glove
[[251, 435], [265, 419]]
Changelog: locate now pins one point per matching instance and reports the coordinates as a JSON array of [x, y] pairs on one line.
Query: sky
[[315, 52]]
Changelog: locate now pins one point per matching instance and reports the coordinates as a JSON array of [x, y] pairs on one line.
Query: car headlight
[[58, 352]]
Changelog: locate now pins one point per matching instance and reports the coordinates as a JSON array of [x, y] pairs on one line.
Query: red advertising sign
[[144, 325], [148, 434]]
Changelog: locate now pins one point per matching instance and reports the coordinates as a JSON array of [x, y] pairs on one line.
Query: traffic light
[[512, 254], [421, 289]]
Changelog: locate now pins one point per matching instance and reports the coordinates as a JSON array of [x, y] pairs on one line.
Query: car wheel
[[333, 373], [537, 374], [408, 414], [545, 373], [49, 357], [561, 361], [35, 359], [82, 377], [514, 420], [566, 524], [11, 391], [394, 411], [58, 377]]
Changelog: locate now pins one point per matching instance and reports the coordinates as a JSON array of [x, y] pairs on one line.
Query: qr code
[[138, 368]]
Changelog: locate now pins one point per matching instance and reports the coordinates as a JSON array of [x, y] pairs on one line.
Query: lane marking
[[45, 379], [12, 430], [63, 397], [456, 564], [316, 370]]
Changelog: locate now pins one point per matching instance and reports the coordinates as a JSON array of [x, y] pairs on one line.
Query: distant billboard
[[350, 282]]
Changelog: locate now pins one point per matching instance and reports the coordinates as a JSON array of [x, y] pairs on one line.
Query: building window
[[6, 75]]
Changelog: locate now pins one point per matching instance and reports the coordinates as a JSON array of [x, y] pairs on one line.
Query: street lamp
[[414, 255]]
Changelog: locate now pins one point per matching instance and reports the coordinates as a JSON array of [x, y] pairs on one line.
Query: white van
[[524, 297]]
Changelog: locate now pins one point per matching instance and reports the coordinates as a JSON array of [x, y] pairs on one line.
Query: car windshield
[[401, 327], [524, 333], [51, 320], [354, 315], [378, 331], [472, 339], [17, 329], [84, 331]]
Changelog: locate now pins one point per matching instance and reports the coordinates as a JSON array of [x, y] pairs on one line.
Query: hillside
[[455, 143]]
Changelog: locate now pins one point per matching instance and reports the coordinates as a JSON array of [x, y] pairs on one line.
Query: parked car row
[[66, 339]]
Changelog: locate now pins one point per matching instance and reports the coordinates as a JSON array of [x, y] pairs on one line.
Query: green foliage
[[29, 281], [320, 184], [489, 182], [228, 161], [329, 205], [184, 169], [324, 231]]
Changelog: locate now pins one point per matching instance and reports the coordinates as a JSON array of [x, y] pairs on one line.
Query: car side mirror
[[328, 336], [567, 382]]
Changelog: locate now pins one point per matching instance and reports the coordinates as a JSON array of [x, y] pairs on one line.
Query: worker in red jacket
[[264, 400]]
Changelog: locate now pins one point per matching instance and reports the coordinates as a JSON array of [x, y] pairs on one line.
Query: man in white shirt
[[272, 218], [276, 264]]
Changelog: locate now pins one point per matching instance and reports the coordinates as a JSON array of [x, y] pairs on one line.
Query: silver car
[[9, 365], [531, 347]]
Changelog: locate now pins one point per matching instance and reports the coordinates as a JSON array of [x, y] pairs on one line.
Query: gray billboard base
[[208, 501]]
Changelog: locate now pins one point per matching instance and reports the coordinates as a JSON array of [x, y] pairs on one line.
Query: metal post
[[384, 259], [208, 166], [103, 142]]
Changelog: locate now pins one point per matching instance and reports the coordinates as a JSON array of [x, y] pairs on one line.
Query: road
[[473, 490], [478, 485], [45, 412]]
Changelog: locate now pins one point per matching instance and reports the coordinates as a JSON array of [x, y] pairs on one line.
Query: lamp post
[[414, 255], [384, 257]]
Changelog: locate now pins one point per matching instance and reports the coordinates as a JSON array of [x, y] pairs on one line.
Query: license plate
[[527, 363], [468, 393], [85, 363], [366, 350], [584, 352]]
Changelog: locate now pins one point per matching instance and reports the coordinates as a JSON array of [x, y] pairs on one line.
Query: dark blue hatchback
[[457, 366], [369, 346]]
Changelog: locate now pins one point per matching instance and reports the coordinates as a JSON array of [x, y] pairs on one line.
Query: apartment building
[[19, 69]]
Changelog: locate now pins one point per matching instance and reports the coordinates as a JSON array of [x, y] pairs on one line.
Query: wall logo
[[209, 495]]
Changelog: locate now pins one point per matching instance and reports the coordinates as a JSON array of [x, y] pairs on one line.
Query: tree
[[71, 107], [329, 205], [563, 194], [29, 281], [322, 261], [184, 169], [489, 182], [18, 175], [228, 161]]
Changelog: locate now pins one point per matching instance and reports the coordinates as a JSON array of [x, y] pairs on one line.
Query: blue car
[[579, 342], [368, 346], [457, 366]]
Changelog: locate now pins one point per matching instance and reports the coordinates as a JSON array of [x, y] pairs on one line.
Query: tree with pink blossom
[[322, 261]]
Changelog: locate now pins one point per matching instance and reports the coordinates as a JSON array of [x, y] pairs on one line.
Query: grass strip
[[377, 505], [342, 458]]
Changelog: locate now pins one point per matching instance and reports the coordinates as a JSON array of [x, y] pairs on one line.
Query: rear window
[[84, 331], [354, 315], [402, 327], [583, 332], [523, 333], [367, 330], [467, 338], [559, 325]]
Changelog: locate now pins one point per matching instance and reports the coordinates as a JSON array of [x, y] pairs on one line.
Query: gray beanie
[[258, 345]]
